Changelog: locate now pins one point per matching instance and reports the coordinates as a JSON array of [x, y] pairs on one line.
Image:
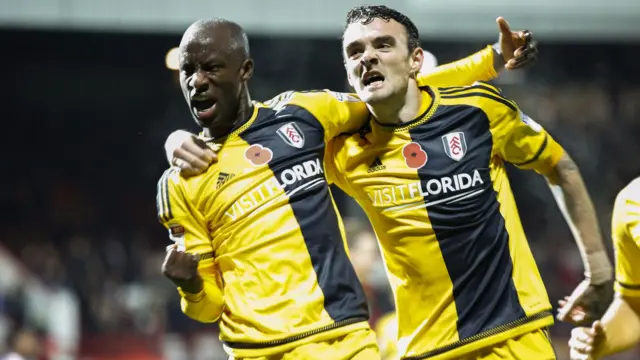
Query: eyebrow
[[377, 39]]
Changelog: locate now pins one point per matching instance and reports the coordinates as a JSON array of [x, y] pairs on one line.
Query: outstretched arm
[[596, 291]]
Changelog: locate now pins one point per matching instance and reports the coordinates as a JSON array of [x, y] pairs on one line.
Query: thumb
[[597, 328], [503, 26]]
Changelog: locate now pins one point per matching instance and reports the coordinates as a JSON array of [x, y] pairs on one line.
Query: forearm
[[575, 204], [205, 305], [477, 67], [621, 327]]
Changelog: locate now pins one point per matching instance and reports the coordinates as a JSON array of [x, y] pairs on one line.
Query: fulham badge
[[455, 145]]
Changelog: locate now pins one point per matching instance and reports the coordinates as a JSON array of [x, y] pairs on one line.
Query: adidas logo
[[376, 165], [223, 178]]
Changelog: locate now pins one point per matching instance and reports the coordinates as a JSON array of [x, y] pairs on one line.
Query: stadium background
[[87, 101]]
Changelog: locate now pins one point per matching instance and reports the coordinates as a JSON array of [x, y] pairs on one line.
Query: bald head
[[227, 35]]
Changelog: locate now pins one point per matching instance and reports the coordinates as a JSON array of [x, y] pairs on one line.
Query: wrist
[[498, 58], [192, 286], [598, 268]]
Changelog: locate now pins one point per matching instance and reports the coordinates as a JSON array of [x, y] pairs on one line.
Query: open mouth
[[373, 78], [202, 106]]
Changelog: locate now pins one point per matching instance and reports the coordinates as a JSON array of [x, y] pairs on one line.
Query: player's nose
[[369, 57], [199, 82]]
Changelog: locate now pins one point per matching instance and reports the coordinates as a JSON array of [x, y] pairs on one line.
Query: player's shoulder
[[481, 95], [313, 99], [631, 192], [170, 179]]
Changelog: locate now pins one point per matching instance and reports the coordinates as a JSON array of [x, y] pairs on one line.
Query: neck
[[242, 115], [399, 108]]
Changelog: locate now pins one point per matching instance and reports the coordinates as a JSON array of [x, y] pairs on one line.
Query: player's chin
[[204, 121], [372, 96]]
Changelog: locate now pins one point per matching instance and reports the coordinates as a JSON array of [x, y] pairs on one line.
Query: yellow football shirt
[[437, 194], [270, 239], [625, 230]]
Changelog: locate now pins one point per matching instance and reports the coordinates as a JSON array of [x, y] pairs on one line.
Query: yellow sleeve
[[517, 138], [188, 230], [625, 231], [337, 112], [477, 67]]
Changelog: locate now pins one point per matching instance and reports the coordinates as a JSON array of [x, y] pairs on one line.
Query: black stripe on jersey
[[313, 209], [538, 153], [457, 89], [629, 286], [162, 198], [472, 234], [499, 99]]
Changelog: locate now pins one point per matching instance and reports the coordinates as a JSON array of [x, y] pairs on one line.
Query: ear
[[416, 59], [246, 70]]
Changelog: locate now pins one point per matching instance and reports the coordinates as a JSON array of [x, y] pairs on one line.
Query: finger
[[205, 154], [578, 316], [200, 143], [192, 161], [170, 258], [503, 26], [530, 48], [597, 328], [194, 258], [565, 311], [579, 346], [520, 62]]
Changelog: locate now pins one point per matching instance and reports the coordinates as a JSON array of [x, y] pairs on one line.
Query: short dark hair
[[365, 14]]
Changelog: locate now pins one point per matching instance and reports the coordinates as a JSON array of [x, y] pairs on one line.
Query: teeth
[[200, 98]]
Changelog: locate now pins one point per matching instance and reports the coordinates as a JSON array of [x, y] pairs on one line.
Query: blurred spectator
[[25, 346]]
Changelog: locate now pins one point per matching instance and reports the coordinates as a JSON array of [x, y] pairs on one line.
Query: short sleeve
[[337, 112], [520, 140]]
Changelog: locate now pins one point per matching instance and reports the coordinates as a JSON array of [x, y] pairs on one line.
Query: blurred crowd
[[79, 186]]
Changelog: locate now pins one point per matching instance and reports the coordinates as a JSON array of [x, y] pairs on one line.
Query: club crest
[[292, 135], [455, 145]]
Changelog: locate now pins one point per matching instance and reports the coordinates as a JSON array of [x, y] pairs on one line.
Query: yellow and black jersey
[[437, 194], [266, 228], [625, 231], [264, 219]]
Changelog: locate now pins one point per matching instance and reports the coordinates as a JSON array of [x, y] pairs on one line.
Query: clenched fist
[[182, 268], [189, 153]]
